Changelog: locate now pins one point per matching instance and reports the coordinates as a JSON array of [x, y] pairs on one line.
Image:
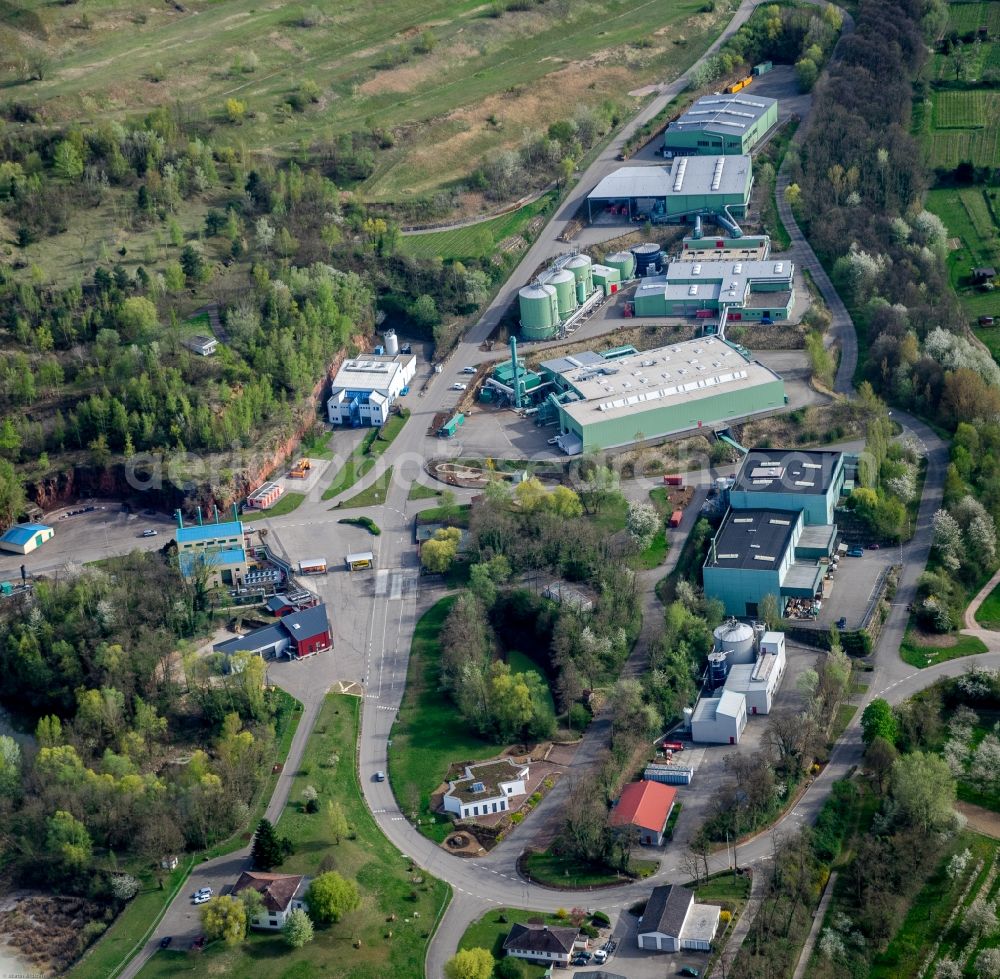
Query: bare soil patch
[[983, 821]]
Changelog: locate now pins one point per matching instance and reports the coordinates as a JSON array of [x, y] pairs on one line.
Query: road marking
[[381, 581], [397, 587]]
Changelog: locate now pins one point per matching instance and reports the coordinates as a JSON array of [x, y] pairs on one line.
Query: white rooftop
[[702, 922], [685, 175], [731, 704], [723, 113], [371, 372], [684, 371]]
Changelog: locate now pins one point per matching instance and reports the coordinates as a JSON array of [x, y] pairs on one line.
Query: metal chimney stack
[[513, 364], [199, 516]]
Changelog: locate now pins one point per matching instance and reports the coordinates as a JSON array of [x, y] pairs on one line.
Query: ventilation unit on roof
[[779, 267], [717, 176], [478, 787], [738, 267], [679, 174]]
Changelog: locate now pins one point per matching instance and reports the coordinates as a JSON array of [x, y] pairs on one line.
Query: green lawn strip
[[131, 928], [386, 885], [365, 523], [286, 504], [556, 870], [361, 461], [675, 814], [920, 656], [724, 889], [988, 614], [929, 911], [844, 714], [373, 495], [492, 929], [654, 555], [429, 735], [199, 325], [457, 515], [128, 932], [420, 492]]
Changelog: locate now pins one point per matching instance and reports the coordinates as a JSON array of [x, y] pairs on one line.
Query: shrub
[[589, 930], [517, 817], [600, 918]]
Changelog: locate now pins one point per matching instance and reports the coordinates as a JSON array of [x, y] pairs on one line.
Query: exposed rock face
[[256, 467]]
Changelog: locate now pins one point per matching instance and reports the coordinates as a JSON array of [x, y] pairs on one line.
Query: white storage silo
[[736, 639], [391, 343]]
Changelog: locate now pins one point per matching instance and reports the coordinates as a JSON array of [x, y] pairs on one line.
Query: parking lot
[[854, 586]]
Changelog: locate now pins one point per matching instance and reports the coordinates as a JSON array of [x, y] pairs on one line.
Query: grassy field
[[451, 79], [654, 555], [428, 734], [476, 240], [372, 495], [921, 651], [288, 503], [386, 884], [555, 870], [968, 214], [988, 614]]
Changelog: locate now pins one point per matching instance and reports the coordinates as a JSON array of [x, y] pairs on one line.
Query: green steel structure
[[726, 124], [539, 311], [657, 393]]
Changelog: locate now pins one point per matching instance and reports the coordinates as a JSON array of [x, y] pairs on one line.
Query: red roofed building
[[647, 807]]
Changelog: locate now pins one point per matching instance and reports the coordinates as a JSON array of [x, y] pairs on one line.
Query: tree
[[264, 233], [769, 611], [67, 162], [336, 821], [923, 789], [298, 928], [253, 900], [988, 963], [509, 968], [225, 918], [12, 495], [878, 721], [793, 194], [437, 553], [193, 263], [470, 963], [879, 759], [235, 110], [642, 523], [980, 917], [10, 766], [330, 897], [807, 72], [136, 318], [268, 848], [67, 840]]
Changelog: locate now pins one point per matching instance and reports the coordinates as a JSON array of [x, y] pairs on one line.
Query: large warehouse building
[[689, 185], [726, 124], [365, 389], [603, 404], [746, 290]]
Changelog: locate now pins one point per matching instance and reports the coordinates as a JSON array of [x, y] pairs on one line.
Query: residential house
[[205, 346], [646, 806], [486, 789], [282, 894], [539, 943]]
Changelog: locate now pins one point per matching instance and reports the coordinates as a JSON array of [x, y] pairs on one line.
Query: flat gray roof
[[689, 370], [685, 175], [562, 365], [753, 540], [788, 471], [723, 113]]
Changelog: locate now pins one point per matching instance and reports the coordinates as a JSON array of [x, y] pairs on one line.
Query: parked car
[[873, 547], [458, 386], [380, 776], [600, 956], [202, 898], [468, 370], [203, 890], [165, 941], [842, 622], [150, 533], [689, 970], [855, 552]]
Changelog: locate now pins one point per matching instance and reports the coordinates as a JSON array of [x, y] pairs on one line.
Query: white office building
[[366, 388]]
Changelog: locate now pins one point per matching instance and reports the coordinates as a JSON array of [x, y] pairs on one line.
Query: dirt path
[[981, 820]]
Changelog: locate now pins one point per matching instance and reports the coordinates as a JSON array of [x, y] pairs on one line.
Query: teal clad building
[[672, 193], [748, 290], [721, 124], [778, 530], [605, 404]]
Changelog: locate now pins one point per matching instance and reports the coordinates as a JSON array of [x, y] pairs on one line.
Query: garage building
[[23, 538], [746, 290], [296, 635], [672, 921], [365, 389], [719, 720], [675, 192], [658, 393], [723, 123]]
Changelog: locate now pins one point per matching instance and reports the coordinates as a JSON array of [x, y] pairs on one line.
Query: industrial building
[[672, 921], [673, 193], [811, 480], [297, 635], [366, 388], [23, 538], [722, 123], [567, 290], [602, 403], [758, 682], [218, 549], [755, 291], [719, 720], [645, 807]]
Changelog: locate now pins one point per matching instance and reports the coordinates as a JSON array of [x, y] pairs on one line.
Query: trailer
[[762, 69], [669, 774], [312, 565], [676, 517], [673, 480], [451, 426], [361, 561]]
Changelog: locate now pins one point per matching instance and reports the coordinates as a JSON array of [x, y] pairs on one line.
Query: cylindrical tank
[[565, 286], [624, 262], [391, 343], [579, 265], [581, 291], [646, 254], [718, 668], [539, 311], [736, 639], [688, 714]]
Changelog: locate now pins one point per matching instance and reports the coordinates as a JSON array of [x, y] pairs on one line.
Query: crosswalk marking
[[395, 584], [381, 581]]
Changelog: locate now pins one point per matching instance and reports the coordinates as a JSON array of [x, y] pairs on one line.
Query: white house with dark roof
[[539, 943], [673, 922], [486, 789], [281, 894]]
